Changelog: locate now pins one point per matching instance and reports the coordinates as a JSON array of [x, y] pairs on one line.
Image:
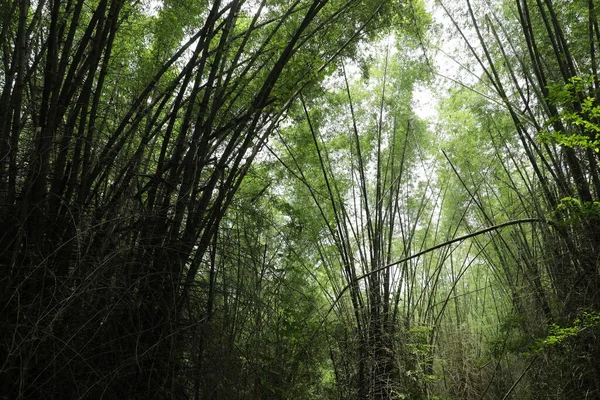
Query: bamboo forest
[[300, 199]]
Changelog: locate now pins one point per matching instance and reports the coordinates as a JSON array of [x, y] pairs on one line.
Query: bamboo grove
[[241, 199]]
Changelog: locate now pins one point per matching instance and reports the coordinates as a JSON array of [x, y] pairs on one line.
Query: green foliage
[[572, 211], [589, 320], [555, 336], [577, 108], [560, 335], [421, 351]]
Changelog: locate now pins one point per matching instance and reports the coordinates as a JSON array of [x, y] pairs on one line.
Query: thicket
[[223, 200]]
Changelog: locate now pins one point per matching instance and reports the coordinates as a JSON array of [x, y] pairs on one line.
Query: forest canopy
[[308, 199]]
